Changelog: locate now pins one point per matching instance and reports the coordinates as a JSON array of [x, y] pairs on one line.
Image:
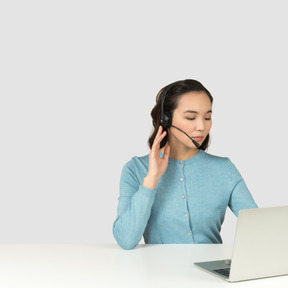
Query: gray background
[[78, 82]]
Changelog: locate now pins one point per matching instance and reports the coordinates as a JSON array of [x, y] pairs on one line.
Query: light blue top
[[187, 206]]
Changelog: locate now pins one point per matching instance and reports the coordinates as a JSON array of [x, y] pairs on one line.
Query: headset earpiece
[[167, 120]]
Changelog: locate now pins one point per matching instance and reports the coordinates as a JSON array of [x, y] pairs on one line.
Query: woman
[[178, 193]]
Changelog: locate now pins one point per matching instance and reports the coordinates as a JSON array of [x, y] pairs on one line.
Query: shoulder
[[213, 159], [137, 162], [220, 162], [135, 170], [136, 167]]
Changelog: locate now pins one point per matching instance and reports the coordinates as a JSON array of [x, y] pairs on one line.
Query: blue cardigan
[[187, 206]]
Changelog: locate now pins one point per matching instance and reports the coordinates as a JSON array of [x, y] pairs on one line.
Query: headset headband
[[165, 117]]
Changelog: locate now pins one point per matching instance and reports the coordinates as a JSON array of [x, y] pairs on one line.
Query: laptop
[[260, 246]]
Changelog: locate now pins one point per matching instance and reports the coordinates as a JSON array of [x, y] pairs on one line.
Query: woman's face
[[193, 116]]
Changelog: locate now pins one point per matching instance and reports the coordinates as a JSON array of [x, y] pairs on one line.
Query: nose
[[200, 125]]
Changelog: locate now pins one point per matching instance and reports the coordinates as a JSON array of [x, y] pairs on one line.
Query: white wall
[[78, 82]]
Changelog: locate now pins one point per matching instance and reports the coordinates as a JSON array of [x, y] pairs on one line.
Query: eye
[[190, 118], [207, 118]]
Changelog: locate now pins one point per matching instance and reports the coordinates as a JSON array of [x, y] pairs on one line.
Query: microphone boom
[[194, 142]]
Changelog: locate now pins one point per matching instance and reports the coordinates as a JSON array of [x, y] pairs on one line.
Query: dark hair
[[174, 91]]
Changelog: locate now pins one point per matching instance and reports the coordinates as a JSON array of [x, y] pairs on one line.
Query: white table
[[69, 265]]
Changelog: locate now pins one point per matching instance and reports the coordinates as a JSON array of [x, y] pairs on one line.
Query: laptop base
[[213, 267]]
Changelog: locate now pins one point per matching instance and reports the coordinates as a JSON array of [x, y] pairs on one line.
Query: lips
[[198, 138]]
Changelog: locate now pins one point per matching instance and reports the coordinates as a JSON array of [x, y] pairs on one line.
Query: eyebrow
[[195, 112]]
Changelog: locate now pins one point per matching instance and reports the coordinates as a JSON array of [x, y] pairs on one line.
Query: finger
[[166, 152], [156, 143], [160, 129], [159, 138]]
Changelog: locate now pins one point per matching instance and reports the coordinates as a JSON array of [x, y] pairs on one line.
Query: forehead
[[195, 101]]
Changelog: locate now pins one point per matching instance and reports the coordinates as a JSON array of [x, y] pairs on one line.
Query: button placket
[[181, 163], [186, 215]]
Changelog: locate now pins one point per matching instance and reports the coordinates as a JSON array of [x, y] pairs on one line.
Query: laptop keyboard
[[225, 271]]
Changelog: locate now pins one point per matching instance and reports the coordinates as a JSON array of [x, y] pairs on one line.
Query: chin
[[190, 146]]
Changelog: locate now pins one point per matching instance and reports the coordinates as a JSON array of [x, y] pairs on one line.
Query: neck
[[181, 154]]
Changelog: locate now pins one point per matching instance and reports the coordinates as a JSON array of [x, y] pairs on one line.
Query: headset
[[166, 119]]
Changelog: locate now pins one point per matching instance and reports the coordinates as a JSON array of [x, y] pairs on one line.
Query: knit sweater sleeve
[[134, 208], [240, 197]]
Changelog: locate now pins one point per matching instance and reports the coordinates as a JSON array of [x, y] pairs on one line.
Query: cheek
[[175, 133], [209, 125]]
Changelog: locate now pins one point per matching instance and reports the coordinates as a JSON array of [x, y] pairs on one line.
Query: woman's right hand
[[157, 165]]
